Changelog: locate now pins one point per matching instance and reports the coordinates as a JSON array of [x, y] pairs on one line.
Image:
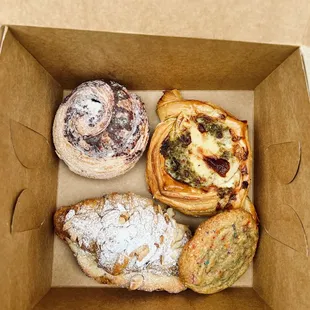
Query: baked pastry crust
[[220, 251], [98, 231], [100, 130], [178, 115]]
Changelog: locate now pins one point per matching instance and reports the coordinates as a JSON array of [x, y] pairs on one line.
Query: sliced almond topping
[[161, 259], [156, 244], [120, 266], [167, 218], [67, 226], [178, 235], [161, 239], [158, 209], [176, 245], [142, 252], [123, 217], [155, 219], [175, 255], [136, 282], [170, 212], [73, 236], [121, 220]]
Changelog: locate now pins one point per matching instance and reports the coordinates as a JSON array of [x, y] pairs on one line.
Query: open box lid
[[282, 21]]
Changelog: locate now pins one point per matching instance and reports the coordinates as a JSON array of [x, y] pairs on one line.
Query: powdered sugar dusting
[[128, 236]]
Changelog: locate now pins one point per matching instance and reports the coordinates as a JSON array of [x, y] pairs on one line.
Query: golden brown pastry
[[124, 240], [100, 130], [199, 157], [220, 251]]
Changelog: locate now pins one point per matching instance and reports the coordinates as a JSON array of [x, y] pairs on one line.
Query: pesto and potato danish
[[101, 129], [199, 157], [220, 251]]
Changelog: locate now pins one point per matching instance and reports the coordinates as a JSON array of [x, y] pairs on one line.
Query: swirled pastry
[[125, 240], [100, 129], [199, 157], [220, 251]]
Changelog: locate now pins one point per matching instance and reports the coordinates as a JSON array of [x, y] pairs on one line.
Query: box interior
[[73, 188], [263, 83]]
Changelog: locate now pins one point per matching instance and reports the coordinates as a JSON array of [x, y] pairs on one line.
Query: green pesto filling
[[177, 163], [176, 153], [205, 124]]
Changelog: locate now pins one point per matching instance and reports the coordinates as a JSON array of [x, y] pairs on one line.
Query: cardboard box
[[264, 83]]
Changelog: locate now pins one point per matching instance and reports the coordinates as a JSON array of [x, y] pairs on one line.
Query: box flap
[[282, 171], [151, 62], [26, 143], [27, 215], [242, 20], [119, 299], [29, 97], [284, 160]]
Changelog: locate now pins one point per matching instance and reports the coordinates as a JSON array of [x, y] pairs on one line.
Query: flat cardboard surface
[[28, 97], [119, 299], [282, 124], [277, 21], [151, 62], [73, 188]]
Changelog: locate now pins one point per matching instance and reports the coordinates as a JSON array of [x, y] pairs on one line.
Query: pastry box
[[265, 84]]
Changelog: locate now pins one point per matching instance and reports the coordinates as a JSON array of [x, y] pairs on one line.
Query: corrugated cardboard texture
[[150, 62], [28, 97], [119, 299], [277, 21], [73, 188], [282, 125]]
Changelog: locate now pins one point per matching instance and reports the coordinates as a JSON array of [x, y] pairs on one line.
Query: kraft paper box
[[266, 84]]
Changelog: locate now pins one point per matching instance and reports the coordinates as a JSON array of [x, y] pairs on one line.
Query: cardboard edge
[[16, 27], [305, 57], [3, 32], [119, 298]]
